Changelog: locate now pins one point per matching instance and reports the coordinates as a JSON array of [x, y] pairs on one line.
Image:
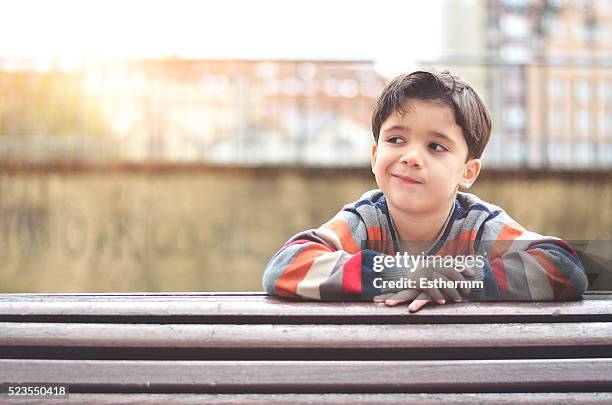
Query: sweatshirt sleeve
[[526, 266], [327, 263]]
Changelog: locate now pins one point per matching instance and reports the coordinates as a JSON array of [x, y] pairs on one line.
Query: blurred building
[[240, 111], [551, 81], [220, 111], [544, 68]]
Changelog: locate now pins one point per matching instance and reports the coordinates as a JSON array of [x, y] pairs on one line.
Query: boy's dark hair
[[440, 86]]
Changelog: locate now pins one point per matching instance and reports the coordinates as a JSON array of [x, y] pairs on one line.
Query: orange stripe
[[375, 233], [561, 285], [286, 284], [341, 228], [465, 247], [376, 238], [510, 231], [461, 245], [499, 274], [504, 240]]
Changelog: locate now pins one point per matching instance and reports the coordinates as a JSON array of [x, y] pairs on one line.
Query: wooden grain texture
[[259, 309], [543, 398], [573, 375], [420, 336]]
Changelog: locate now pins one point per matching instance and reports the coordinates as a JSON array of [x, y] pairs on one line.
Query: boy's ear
[[472, 169], [373, 157]]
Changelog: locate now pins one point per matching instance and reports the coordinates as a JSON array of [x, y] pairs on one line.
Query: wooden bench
[[251, 348]]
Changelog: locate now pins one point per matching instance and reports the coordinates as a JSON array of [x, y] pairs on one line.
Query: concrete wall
[[214, 229]]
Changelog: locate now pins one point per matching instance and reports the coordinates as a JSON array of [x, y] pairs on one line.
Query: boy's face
[[420, 159]]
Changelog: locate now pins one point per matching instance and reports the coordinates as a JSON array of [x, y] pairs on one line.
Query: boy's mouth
[[405, 179]]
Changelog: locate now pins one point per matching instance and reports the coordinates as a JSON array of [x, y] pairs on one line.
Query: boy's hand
[[446, 275], [420, 297]]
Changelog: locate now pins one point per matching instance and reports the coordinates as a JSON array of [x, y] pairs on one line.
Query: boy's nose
[[412, 157]]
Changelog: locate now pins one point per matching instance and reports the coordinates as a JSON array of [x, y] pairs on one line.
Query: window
[[515, 26], [514, 118], [582, 122], [555, 123], [582, 91]]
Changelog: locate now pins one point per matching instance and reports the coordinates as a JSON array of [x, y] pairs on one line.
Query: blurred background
[[176, 145]]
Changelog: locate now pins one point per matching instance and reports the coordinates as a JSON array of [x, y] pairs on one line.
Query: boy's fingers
[[453, 294], [401, 297], [382, 297], [435, 294], [419, 303], [450, 291], [455, 276]]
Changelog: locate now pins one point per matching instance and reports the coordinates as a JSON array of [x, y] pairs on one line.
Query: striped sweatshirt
[[336, 262]]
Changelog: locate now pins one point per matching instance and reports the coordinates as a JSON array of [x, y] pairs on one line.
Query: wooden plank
[[563, 375], [507, 398], [590, 295], [257, 309], [594, 295], [307, 336], [177, 294]]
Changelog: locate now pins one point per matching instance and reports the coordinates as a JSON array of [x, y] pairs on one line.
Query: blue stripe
[[368, 291]]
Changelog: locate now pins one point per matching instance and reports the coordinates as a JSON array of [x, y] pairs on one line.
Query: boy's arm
[[327, 263], [526, 266]]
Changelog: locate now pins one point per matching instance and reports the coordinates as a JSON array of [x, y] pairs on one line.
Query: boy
[[412, 240]]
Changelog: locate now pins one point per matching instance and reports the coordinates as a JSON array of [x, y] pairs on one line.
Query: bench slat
[[559, 375], [545, 398], [307, 336], [259, 309]]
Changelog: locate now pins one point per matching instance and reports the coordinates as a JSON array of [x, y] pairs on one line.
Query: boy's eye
[[395, 139], [437, 147]]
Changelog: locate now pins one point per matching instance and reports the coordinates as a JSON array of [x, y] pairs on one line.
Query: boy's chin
[[412, 207], [417, 205]]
